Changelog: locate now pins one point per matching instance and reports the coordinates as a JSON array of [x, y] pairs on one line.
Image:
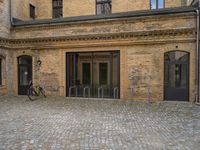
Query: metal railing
[[76, 91], [87, 88], [100, 92], [116, 93]]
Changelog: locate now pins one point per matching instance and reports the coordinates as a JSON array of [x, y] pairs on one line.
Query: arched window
[[176, 56]]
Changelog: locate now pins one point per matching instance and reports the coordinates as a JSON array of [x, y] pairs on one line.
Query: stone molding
[[43, 26], [180, 34]]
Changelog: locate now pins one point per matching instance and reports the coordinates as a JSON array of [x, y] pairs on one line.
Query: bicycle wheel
[[32, 94], [42, 92]]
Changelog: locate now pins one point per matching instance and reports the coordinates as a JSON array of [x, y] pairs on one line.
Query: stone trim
[[155, 35], [110, 17], [104, 22]]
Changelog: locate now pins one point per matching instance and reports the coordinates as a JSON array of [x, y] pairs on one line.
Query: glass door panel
[[103, 73], [94, 72], [176, 77], [86, 70], [24, 73]]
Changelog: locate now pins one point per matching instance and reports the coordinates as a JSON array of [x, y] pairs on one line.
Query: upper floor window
[[57, 8], [157, 4], [32, 11], [103, 7]]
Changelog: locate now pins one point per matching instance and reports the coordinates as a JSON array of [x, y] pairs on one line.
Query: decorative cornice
[[105, 18], [154, 35], [105, 22]]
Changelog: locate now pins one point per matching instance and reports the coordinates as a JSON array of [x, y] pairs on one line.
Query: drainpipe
[[197, 58], [10, 11]]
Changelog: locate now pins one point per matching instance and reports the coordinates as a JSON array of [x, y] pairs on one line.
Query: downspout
[[197, 58], [10, 11]]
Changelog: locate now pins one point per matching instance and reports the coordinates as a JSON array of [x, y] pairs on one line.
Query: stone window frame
[[103, 4], [57, 8], [157, 7], [32, 11]]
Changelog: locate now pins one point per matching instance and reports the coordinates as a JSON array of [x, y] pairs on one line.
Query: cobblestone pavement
[[61, 123]]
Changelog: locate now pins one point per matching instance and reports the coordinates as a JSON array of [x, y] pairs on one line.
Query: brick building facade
[[130, 49]]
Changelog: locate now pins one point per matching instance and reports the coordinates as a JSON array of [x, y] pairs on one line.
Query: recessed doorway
[[176, 76], [93, 74], [24, 73]]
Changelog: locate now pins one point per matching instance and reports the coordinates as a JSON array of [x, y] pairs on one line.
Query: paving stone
[[61, 123]]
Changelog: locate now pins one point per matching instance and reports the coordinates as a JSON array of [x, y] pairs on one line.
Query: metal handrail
[[116, 92], [84, 91], [100, 92], [70, 90]]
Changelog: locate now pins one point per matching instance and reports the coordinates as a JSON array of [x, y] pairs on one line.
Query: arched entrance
[[24, 73], [176, 76]]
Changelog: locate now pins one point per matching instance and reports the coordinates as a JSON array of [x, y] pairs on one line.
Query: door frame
[[188, 73], [18, 71], [67, 73]]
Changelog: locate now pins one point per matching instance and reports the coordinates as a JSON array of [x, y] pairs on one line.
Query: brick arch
[[24, 54], [172, 51], [178, 50]]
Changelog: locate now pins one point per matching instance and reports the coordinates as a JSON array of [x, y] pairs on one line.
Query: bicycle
[[34, 93]]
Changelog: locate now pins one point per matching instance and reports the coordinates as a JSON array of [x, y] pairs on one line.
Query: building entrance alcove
[[176, 76], [24, 73], [93, 74]]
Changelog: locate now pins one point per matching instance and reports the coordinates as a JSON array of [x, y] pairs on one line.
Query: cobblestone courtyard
[[61, 123]]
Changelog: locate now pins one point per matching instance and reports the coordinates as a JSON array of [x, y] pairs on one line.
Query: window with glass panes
[[103, 7], [57, 8], [32, 11], [157, 4]]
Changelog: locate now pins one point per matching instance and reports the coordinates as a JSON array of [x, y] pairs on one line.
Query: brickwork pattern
[[44, 9], [139, 62], [129, 5], [4, 18], [81, 8], [21, 8], [60, 123], [136, 24]]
